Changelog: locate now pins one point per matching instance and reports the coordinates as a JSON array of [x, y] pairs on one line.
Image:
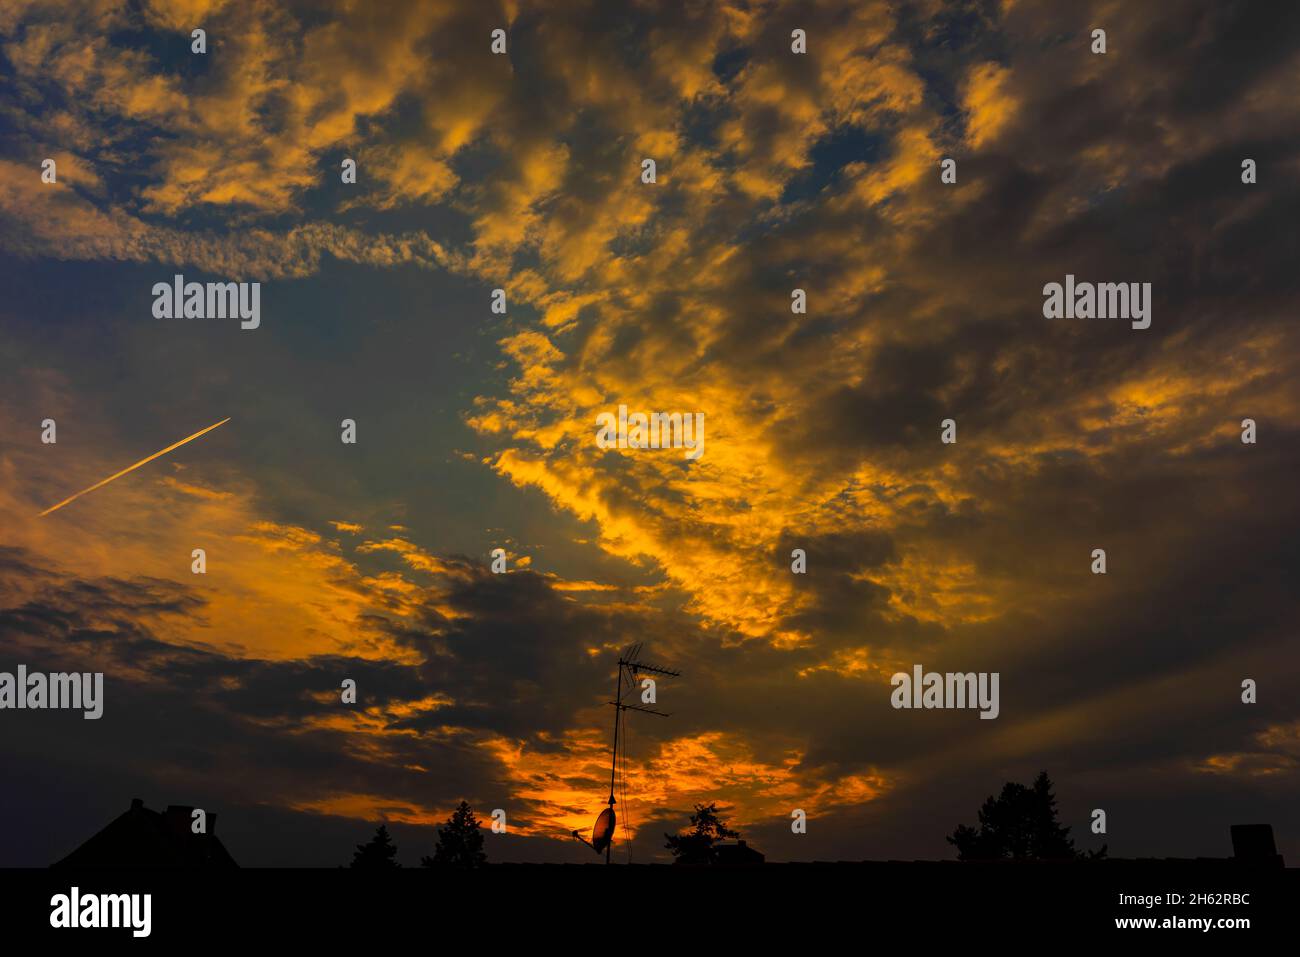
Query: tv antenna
[[631, 665]]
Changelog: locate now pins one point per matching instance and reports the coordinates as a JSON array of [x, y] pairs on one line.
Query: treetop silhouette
[[696, 846], [460, 842], [1019, 824], [378, 853]]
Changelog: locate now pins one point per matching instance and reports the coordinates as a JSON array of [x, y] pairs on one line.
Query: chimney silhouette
[[1253, 843]]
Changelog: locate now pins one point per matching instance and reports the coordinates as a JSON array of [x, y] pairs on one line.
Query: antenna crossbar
[[640, 668], [632, 707]]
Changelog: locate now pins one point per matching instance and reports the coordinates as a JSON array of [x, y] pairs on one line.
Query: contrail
[[132, 468]]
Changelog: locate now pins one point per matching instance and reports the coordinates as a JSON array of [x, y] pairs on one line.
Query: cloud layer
[[775, 172]]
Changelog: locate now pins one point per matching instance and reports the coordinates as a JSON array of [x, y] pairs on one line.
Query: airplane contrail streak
[[132, 468]]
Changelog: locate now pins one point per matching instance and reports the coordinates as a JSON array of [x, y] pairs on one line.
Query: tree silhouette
[[378, 853], [1020, 824], [696, 846], [460, 843]]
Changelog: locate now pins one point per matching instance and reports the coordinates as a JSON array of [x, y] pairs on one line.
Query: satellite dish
[[603, 832]]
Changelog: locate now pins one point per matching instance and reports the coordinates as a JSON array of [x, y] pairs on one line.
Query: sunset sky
[[477, 430]]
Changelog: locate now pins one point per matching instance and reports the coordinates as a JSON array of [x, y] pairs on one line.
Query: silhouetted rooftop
[[141, 838]]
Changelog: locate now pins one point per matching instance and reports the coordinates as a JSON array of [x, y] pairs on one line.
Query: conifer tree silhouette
[[1019, 824], [378, 853], [460, 842], [696, 845]]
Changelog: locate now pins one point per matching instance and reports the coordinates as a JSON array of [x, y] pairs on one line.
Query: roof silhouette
[[736, 854], [141, 838]]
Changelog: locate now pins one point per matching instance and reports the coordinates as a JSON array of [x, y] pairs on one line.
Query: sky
[[476, 430]]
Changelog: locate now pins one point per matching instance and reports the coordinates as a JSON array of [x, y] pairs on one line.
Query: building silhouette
[[738, 854], [141, 838]]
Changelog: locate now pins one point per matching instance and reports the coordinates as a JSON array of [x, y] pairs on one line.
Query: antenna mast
[[630, 663]]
